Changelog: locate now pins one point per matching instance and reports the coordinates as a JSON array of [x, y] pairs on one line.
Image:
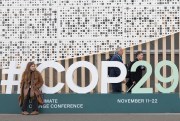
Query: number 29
[[173, 78]]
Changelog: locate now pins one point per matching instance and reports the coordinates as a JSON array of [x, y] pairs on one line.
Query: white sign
[[69, 76]]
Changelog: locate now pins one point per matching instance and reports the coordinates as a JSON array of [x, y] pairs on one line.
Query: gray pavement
[[91, 117]]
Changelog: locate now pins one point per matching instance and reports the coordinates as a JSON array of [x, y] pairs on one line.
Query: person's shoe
[[25, 113], [35, 113]]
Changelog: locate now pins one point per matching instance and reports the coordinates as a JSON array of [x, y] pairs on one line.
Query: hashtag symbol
[[11, 76]]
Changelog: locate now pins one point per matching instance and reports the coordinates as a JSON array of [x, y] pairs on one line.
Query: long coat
[[135, 76], [115, 72], [31, 80]]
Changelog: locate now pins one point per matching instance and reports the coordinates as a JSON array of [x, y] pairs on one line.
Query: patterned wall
[[42, 30]]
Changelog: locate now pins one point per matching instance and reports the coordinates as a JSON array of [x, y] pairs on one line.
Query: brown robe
[[33, 80]]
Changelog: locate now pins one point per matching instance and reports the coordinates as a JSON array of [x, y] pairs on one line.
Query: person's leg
[[120, 87], [116, 87], [129, 84], [34, 106], [26, 103]]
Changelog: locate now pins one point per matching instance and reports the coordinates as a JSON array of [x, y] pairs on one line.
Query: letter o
[[69, 77]]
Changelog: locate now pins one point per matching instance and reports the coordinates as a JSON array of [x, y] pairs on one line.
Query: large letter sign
[[105, 79], [11, 73], [73, 86], [59, 68]]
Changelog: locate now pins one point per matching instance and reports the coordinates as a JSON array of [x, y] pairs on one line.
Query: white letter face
[[69, 77], [59, 68], [105, 79]]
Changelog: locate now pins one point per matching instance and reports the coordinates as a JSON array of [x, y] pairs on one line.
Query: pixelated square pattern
[[43, 30]]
